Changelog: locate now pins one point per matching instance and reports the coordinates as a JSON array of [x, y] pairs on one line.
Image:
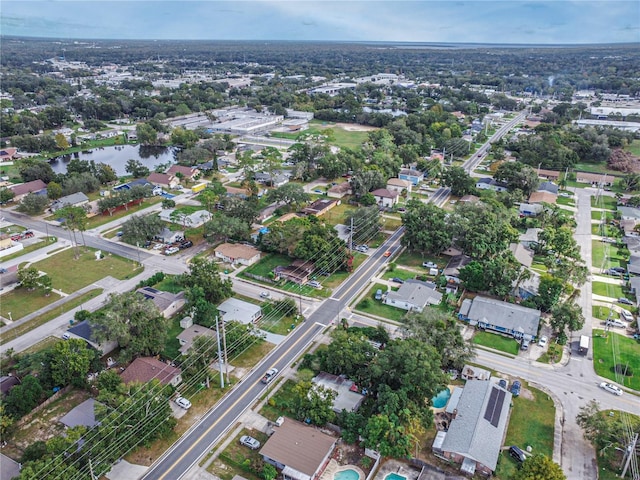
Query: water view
[[117, 157]]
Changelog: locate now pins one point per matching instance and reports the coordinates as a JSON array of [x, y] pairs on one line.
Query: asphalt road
[[206, 433]]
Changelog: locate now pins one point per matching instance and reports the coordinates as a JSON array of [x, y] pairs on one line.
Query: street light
[[10, 317]]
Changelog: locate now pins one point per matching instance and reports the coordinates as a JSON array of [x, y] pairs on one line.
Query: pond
[[117, 157]]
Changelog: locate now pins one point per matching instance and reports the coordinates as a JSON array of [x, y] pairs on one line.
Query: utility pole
[[629, 453], [219, 353], [351, 237], [224, 346]]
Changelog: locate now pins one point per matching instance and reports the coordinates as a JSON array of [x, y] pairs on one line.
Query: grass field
[[265, 266], [497, 342], [609, 230], [400, 273], [85, 270], [628, 353], [238, 460], [21, 302], [606, 202], [598, 214], [531, 423], [617, 257], [568, 201], [601, 312], [98, 220], [634, 148], [375, 307], [340, 137], [607, 289], [413, 259]]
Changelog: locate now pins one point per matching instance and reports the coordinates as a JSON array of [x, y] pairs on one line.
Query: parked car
[[397, 280], [183, 402], [171, 250], [515, 388], [502, 383], [120, 233], [625, 301], [543, 341], [378, 294], [314, 284], [619, 269], [270, 375], [27, 234], [362, 248], [186, 244], [265, 294], [429, 265], [611, 388], [250, 442], [616, 323], [3, 270], [517, 453], [611, 271]]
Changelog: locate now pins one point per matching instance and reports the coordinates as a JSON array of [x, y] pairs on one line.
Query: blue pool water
[[440, 401], [348, 474], [395, 476]]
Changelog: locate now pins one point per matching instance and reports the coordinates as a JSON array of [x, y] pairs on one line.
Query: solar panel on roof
[[494, 406]]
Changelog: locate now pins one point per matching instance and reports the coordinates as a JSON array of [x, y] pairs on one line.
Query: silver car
[[250, 442]]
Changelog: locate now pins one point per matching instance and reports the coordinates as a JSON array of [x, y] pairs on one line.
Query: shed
[[83, 414]]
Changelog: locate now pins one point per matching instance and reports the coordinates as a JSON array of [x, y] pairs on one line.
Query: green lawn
[[568, 201], [634, 148], [609, 230], [597, 215], [169, 284], [594, 168], [531, 423], [20, 302], [498, 342], [172, 345], [607, 289], [375, 307], [617, 257], [340, 138], [238, 460], [279, 404], [628, 353], [604, 201], [399, 273], [415, 259], [69, 274], [601, 312], [265, 266]]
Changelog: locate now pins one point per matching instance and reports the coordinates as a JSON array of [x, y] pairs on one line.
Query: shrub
[[622, 369]]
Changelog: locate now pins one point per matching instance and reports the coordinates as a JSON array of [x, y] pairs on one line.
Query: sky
[[448, 21]]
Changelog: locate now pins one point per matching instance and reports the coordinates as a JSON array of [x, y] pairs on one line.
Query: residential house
[[487, 313], [299, 451], [548, 187], [399, 185], [7, 382], [595, 179], [414, 295], [169, 236], [8, 154], [456, 262], [629, 213], [385, 198], [208, 166], [628, 227], [22, 190], [298, 271], [168, 303], [530, 209], [188, 335], [634, 285], [541, 196], [549, 174], [526, 288], [478, 427], [530, 237], [320, 207], [239, 310], [266, 213], [523, 255], [82, 415], [84, 330], [633, 266], [348, 395], [188, 173], [272, 180], [163, 180], [488, 183], [340, 190], [145, 369], [74, 200], [237, 192], [413, 176], [193, 220], [237, 253]]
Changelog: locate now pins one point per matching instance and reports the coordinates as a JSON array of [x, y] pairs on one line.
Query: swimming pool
[[348, 474], [441, 399], [395, 476]]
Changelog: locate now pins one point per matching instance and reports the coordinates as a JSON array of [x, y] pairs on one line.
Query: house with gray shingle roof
[[503, 317], [414, 296], [477, 430]]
